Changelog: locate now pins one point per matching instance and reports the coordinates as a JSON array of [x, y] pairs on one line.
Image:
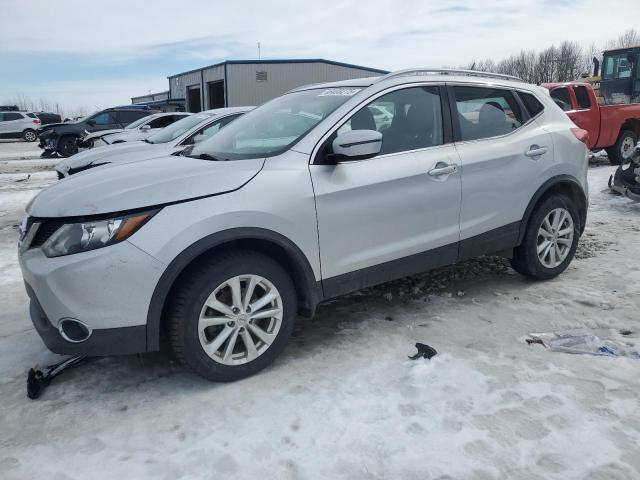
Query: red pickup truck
[[616, 128]]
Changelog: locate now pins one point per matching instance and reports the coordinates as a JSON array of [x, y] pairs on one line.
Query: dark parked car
[[62, 137], [48, 118], [9, 108]]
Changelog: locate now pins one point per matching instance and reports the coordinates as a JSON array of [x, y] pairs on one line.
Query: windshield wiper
[[207, 156]]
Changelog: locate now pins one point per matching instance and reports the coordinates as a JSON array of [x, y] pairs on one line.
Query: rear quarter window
[[582, 96], [531, 103], [562, 98]]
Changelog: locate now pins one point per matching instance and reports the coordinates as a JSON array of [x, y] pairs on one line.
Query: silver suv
[[312, 195], [19, 125]]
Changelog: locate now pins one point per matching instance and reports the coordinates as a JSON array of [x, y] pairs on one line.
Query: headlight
[[84, 236]]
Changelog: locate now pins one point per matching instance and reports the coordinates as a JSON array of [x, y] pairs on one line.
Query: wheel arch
[[564, 184], [271, 243], [632, 124]]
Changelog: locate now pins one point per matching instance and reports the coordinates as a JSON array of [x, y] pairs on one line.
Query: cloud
[[125, 40]]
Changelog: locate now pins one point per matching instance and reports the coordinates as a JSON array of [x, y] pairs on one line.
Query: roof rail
[[449, 71]]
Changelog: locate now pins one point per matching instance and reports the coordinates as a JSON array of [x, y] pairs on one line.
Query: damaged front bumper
[[92, 288]]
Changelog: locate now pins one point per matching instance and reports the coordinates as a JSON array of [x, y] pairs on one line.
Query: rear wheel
[[232, 315], [622, 151], [67, 146], [29, 135], [550, 240]]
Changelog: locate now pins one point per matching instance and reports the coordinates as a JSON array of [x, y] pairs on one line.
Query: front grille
[[47, 228]]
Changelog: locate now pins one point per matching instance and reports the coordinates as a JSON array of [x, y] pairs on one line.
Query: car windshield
[[275, 126], [138, 122], [176, 129]]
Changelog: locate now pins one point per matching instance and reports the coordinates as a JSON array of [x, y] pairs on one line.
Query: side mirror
[[357, 145], [146, 127], [91, 122]]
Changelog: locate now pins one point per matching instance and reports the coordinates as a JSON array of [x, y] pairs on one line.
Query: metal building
[[236, 83], [160, 101]]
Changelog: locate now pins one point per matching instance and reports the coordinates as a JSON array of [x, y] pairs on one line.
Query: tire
[[67, 146], [525, 257], [199, 285], [622, 151], [29, 135]]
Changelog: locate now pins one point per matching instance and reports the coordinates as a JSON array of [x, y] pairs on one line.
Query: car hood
[[128, 151], [49, 126], [129, 135], [101, 133], [142, 184]]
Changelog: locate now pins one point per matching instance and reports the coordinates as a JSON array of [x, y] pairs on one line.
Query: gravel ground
[[344, 401]]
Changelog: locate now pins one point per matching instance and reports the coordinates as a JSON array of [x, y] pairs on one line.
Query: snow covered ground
[[344, 401]]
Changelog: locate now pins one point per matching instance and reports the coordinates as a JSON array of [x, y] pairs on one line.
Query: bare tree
[[569, 61]]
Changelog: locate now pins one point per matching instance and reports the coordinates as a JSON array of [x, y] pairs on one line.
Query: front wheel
[[232, 315], [67, 146], [550, 240]]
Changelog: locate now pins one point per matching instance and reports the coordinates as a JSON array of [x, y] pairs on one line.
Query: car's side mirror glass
[[356, 145], [144, 128]]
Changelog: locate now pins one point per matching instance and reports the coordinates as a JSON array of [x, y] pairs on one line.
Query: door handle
[[442, 168], [536, 151]]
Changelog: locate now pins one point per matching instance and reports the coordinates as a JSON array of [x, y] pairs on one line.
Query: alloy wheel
[[240, 319], [627, 148], [555, 237]]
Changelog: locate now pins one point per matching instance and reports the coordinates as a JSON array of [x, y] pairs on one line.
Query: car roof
[[227, 110], [430, 75]]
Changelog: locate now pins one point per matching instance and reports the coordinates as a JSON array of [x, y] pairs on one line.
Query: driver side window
[[103, 118], [409, 119]]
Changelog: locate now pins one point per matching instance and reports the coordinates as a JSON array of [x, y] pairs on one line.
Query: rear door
[[503, 154], [13, 123], [384, 211]]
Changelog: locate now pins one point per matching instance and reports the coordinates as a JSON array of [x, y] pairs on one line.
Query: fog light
[[73, 330]]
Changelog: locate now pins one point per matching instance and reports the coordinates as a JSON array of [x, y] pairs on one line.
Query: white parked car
[[172, 139], [138, 130], [19, 125]]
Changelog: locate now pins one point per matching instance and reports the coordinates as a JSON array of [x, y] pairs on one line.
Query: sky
[[86, 55]]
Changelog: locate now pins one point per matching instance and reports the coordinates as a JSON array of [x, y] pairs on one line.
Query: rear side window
[[8, 116], [32, 115], [408, 119], [582, 95], [533, 105], [486, 112], [562, 98], [129, 116]]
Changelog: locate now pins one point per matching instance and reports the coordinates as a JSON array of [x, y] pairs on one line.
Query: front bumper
[[109, 289], [105, 341]]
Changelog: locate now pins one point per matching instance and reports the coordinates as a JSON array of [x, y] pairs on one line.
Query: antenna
[[258, 50]]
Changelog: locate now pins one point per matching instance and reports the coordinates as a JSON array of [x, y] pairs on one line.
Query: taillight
[[581, 134], [36, 121]]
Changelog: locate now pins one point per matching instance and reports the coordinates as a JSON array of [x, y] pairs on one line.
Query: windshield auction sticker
[[339, 92]]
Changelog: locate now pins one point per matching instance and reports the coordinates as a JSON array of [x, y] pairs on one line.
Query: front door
[[503, 155], [378, 217]]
